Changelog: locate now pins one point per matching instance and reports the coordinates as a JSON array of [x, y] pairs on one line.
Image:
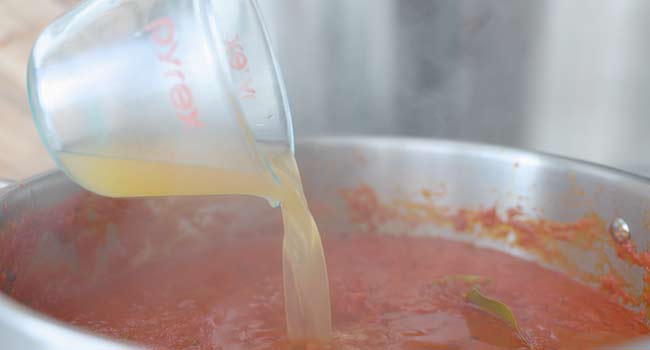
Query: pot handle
[[5, 183]]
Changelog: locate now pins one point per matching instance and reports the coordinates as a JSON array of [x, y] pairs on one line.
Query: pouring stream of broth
[[306, 287]]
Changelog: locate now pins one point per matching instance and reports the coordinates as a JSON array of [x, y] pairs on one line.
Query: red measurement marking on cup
[[239, 62], [180, 94]]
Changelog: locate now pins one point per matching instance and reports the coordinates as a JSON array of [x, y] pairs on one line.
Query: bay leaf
[[495, 308]]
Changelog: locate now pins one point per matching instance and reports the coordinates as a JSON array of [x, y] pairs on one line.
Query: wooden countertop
[[21, 152]]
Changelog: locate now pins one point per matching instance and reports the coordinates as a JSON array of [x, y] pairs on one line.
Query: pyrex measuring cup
[[133, 84]]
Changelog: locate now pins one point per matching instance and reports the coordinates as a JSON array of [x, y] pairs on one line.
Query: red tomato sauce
[[388, 292]]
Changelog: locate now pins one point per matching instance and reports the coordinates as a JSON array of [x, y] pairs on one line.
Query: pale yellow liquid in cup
[[306, 287]]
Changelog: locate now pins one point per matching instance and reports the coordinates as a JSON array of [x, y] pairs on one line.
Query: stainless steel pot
[[472, 176]]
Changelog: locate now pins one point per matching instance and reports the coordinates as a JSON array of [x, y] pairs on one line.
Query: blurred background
[[565, 77]]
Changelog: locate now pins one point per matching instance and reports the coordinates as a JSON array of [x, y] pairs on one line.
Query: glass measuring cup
[[123, 91]]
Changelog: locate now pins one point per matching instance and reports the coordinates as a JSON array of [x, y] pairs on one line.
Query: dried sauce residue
[[551, 241], [627, 251], [532, 234], [367, 208], [612, 285]]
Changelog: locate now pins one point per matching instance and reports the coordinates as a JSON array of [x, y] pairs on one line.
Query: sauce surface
[[388, 292]]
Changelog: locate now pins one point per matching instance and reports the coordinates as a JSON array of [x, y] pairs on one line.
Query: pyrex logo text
[[180, 95]]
